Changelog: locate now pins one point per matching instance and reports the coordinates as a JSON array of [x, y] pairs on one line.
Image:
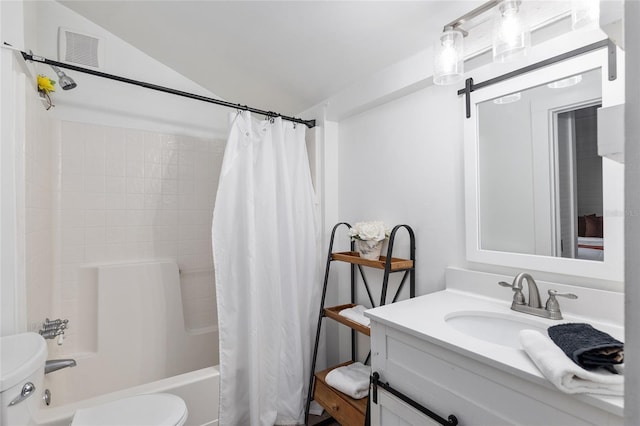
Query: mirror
[[541, 199], [534, 179]]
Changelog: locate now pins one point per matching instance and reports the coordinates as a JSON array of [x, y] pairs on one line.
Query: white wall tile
[[95, 218], [115, 235], [115, 201], [94, 236], [116, 218], [135, 201], [135, 185], [72, 182], [115, 185], [94, 183], [135, 169]]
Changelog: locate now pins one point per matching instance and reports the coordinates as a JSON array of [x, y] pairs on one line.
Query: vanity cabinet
[[477, 393]]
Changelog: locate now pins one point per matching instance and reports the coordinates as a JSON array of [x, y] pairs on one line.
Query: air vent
[[78, 48]]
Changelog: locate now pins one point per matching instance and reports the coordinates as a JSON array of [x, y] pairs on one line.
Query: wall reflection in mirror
[[540, 176]]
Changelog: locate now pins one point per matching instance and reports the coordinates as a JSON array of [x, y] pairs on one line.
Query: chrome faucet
[[57, 364], [533, 306]]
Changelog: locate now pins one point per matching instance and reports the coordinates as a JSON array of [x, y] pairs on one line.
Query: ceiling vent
[[78, 48]]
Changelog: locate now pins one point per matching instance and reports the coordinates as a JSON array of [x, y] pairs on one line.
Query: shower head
[[66, 82]]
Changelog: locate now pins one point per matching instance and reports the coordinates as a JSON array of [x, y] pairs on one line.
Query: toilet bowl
[[22, 364], [22, 359], [160, 409]]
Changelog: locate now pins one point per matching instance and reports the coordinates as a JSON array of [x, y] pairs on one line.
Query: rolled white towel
[[356, 314], [352, 379], [565, 374]]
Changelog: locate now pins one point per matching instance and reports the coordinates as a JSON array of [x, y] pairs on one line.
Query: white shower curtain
[[264, 246]]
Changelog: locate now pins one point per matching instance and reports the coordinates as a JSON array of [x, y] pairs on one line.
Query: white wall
[[13, 86], [632, 214], [401, 163]]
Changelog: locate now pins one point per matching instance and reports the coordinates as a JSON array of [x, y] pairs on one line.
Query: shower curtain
[[264, 245]]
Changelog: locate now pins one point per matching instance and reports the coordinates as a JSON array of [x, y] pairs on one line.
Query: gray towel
[[588, 347]]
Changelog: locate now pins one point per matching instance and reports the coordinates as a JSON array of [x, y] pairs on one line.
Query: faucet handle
[[518, 297], [554, 293], [553, 307]]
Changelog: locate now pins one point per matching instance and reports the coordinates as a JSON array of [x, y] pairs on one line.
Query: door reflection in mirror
[[579, 178]]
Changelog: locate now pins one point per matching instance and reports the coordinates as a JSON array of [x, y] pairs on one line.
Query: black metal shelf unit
[[386, 263]]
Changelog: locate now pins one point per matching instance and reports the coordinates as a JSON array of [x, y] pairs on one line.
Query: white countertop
[[424, 317]]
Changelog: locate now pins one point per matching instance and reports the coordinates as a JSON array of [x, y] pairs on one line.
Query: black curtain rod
[[29, 57]]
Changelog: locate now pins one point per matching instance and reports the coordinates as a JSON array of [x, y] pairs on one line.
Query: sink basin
[[493, 327]]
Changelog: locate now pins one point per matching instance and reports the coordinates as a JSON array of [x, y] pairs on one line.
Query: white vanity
[[439, 351]]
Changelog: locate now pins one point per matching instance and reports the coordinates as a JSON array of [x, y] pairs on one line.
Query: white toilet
[[22, 361]]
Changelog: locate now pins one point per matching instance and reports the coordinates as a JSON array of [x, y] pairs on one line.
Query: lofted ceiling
[[284, 56]]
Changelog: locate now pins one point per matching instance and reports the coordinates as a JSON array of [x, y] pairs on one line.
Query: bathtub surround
[[124, 194], [264, 242], [119, 305]]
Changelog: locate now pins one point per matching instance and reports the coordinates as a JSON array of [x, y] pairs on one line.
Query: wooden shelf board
[[358, 404], [333, 313], [397, 264]]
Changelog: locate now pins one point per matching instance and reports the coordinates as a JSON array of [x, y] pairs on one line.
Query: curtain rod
[[30, 57]]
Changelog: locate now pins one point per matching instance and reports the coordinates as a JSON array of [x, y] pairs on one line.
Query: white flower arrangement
[[369, 231]]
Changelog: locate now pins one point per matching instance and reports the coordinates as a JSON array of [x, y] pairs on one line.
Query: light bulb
[[565, 82], [511, 37], [514, 97], [448, 67]]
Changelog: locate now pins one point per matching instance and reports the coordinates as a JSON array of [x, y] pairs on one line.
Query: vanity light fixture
[[585, 14], [449, 62], [511, 39], [508, 99], [565, 82]]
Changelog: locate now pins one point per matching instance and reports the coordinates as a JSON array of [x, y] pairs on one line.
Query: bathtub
[[131, 338], [199, 389]]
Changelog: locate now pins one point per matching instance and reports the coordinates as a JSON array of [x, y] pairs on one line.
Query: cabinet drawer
[[337, 406]]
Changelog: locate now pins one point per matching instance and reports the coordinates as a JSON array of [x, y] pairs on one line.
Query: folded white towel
[[352, 379], [565, 374], [356, 314]]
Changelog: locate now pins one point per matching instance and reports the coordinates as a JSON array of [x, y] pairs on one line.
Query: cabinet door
[[392, 411]]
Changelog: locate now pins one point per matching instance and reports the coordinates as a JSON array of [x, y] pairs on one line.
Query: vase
[[369, 249]]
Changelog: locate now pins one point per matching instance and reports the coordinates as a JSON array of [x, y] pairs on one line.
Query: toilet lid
[[159, 409]]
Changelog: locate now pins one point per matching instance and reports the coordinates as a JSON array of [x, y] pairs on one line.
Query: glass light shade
[[585, 14], [514, 97], [565, 82], [448, 67], [511, 37]]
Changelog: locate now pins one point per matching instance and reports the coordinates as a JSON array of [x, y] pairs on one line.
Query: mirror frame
[[612, 267]]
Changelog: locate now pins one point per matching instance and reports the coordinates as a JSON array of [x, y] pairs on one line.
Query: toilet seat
[[159, 409]]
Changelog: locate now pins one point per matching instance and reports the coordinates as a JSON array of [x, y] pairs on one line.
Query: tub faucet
[[56, 364], [534, 307]]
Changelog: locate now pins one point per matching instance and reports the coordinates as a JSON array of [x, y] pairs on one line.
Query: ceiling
[[284, 56]]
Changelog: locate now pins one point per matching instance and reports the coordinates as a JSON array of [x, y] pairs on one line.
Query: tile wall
[[126, 195], [38, 205]]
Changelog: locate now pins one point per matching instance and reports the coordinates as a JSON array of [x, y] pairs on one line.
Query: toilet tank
[[22, 360]]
